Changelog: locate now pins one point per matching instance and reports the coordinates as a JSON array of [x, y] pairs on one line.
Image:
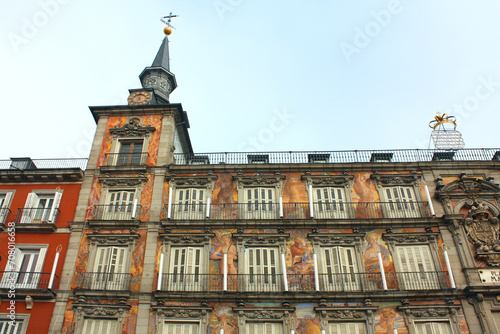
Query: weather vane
[[169, 27]]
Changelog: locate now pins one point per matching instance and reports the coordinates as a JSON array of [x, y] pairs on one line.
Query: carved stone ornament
[[187, 238], [484, 231], [471, 186], [408, 238], [347, 313], [132, 129], [259, 180], [115, 182], [100, 310], [328, 180], [261, 238], [112, 239], [335, 239], [192, 181], [263, 313], [184, 313], [431, 311], [390, 180]]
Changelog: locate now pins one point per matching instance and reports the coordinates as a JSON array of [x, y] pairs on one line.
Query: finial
[[168, 29], [441, 119]]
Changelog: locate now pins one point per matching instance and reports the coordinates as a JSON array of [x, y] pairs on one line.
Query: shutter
[[193, 260], [55, 206], [181, 328], [41, 257], [319, 199], [102, 260], [28, 212], [347, 328], [117, 260]]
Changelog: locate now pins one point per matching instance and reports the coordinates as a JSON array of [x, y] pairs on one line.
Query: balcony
[[299, 211], [35, 284], [104, 282], [39, 220], [338, 282], [114, 215], [125, 161], [356, 156]]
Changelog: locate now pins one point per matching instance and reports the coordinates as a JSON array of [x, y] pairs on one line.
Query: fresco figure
[[225, 199], [387, 320], [298, 251], [362, 187], [224, 245], [294, 193], [370, 255], [308, 326]]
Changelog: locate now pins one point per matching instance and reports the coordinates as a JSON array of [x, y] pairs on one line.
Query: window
[[329, 202], [170, 327], [5, 200], [186, 265], [433, 327], [401, 202], [260, 203], [110, 269], [190, 203], [130, 152], [18, 326], [264, 328], [26, 270], [417, 268], [346, 328], [41, 207], [262, 269], [340, 268], [120, 205], [99, 326]]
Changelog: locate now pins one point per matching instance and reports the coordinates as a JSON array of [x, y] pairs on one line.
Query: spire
[[162, 57]]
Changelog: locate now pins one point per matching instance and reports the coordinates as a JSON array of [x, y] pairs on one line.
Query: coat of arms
[[484, 231]]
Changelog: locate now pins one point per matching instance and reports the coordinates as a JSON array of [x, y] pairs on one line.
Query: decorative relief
[[182, 313], [123, 181], [192, 181], [389, 180], [432, 311], [338, 238], [187, 238], [132, 129], [261, 238], [347, 313], [410, 237], [264, 314], [259, 180], [100, 310], [484, 231], [329, 180], [112, 239]]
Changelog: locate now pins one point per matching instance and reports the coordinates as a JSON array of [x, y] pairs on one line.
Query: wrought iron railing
[[104, 281], [334, 282], [401, 155], [125, 159], [116, 212], [332, 210], [26, 280], [30, 164], [37, 215]]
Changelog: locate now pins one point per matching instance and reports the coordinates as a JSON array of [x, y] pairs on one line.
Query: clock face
[[139, 97]]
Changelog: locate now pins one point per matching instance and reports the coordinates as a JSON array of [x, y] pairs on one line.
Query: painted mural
[[387, 318], [222, 317], [305, 320]]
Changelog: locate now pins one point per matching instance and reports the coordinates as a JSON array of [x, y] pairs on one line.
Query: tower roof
[[162, 57]]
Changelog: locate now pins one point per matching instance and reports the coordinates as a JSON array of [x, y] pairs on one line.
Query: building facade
[[168, 241], [37, 200]]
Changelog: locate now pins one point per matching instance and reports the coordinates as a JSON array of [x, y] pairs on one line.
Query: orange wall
[[68, 201], [40, 314]]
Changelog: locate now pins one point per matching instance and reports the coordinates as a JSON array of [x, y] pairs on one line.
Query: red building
[[37, 200]]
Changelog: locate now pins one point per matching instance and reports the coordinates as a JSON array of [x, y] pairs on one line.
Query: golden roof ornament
[[445, 135]]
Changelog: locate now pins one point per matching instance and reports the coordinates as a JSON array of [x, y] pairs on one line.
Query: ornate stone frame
[[252, 181], [320, 240], [245, 240], [206, 182], [407, 239], [102, 311], [336, 181], [441, 312], [111, 239], [193, 314], [19, 316], [132, 129], [135, 184], [383, 181], [170, 240], [363, 314], [267, 314]]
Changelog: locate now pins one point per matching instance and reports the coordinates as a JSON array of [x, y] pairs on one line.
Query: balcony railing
[[37, 215], [116, 212], [125, 159], [26, 280], [262, 211], [335, 282], [373, 156], [104, 281], [30, 164]]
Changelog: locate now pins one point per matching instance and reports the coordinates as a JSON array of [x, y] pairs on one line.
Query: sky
[[254, 75]]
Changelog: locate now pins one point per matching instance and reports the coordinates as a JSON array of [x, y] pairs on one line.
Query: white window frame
[[29, 281], [264, 279], [92, 322], [419, 271], [432, 322], [260, 203], [34, 213], [183, 323], [120, 209], [349, 329], [266, 329], [247, 315], [5, 202], [116, 261], [339, 276], [344, 315], [442, 313], [188, 204], [188, 276], [273, 183], [22, 319], [330, 202]]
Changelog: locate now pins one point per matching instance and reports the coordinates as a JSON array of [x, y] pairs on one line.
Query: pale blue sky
[[255, 75]]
